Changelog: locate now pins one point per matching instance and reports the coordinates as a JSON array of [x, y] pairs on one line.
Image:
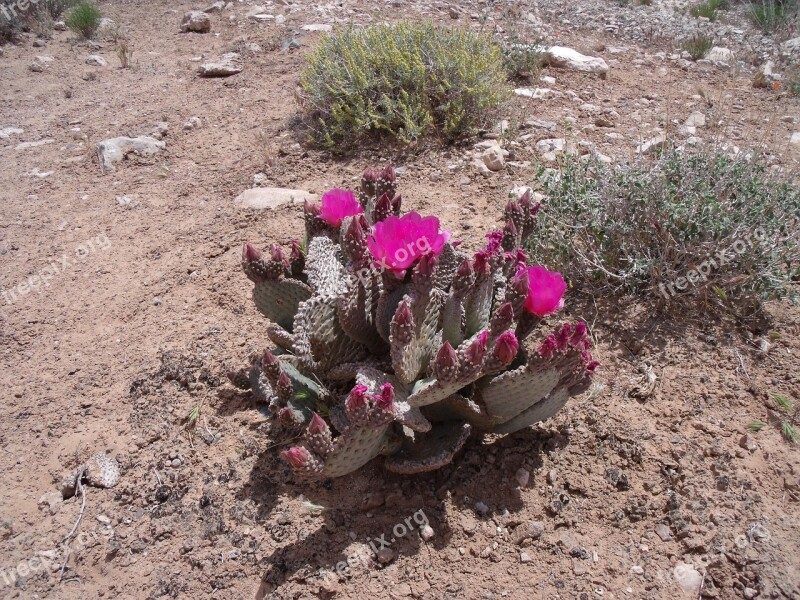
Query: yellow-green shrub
[[404, 80]]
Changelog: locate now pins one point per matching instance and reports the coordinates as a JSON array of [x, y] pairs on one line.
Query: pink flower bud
[[477, 349], [563, 336], [445, 366], [296, 456], [317, 425], [385, 401], [548, 347], [357, 398], [250, 253], [505, 348], [310, 208]]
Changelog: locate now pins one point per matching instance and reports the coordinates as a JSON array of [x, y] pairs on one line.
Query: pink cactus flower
[[338, 204], [545, 291], [385, 400], [357, 398], [477, 349], [397, 242], [296, 456]]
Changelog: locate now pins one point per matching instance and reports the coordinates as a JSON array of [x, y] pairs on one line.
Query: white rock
[[7, 132], [196, 21], [266, 197], [481, 167], [688, 578], [217, 6], [720, 57], [555, 145], [317, 27], [35, 172], [259, 15], [115, 149], [795, 139], [44, 59], [493, 158], [280, 19], [96, 60], [523, 476], [193, 123], [26, 145], [259, 179], [535, 93], [60, 26], [426, 533], [652, 144], [572, 60], [791, 46], [547, 79], [696, 119], [228, 64]]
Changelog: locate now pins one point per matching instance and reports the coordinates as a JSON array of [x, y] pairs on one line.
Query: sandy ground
[[145, 307]]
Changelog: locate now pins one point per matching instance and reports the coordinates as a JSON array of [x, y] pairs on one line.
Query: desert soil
[[633, 488]]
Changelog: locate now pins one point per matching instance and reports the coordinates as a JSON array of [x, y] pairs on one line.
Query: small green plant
[[756, 426], [788, 417], [84, 19], [124, 53], [702, 230], [523, 61], [697, 45], [770, 15], [708, 9], [403, 80]]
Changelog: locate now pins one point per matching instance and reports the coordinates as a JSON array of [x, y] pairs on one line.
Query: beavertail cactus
[[388, 339]]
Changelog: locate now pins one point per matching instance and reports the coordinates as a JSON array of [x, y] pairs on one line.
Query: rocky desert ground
[[124, 304]]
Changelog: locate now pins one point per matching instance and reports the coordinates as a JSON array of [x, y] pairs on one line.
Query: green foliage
[[84, 19], [708, 9], [403, 80], [770, 15], [644, 227], [523, 61], [756, 426], [697, 45]]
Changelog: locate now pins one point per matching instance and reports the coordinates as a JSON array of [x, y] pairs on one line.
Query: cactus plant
[[390, 340]]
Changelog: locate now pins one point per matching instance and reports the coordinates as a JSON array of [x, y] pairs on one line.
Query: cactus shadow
[[372, 505]]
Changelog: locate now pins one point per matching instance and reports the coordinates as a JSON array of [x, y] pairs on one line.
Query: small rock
[[217, 6], [96, 60], [68, 485], [720, 57], [688, 578], [228, 64], [572, 60], [53, 501], [101, 471], [749, 593], [196, 21], [652, 145], [523, 477], [481, 508], [36, 144], [259, 179], [663, 532], [524, 557], [317, 27], [60, 26], [535, 93], [7, 132], [192, 123], [426, 533], [795, 139], [696, 119], [280, 19], [529, 530], [116, 149], [385, 555], [39, 43], [637, 570], [493, 158], [104, 519], [748, 443], [269, 197], [176, 462]]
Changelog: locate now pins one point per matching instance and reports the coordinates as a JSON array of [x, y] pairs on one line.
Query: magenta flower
[[338, 204], [545, 291], [397, 242]]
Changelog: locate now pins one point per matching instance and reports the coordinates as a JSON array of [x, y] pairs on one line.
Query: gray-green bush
[[84, 19], [640, 228], [400, 80]]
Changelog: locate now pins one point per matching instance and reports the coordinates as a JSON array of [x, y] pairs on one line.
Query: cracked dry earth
[[642, 488]]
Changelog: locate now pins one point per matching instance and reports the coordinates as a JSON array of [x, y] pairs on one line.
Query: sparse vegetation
[[55, 8], [124, 53], [770, 15], [697, 45], [84, 19], [708, 9], [401, 80], [644, 228]]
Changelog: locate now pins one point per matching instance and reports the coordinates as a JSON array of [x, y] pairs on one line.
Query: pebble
[[426, 533], [385, 555], [663, 532], [523, 476], [524, 557], [530, 530], [481, 508], [637, 570]]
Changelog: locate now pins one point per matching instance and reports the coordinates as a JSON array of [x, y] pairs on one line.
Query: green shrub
[[84, 19], [640, 228], [697, 45], [523, 61], [403, 80], [770, 15], [708, 9]]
